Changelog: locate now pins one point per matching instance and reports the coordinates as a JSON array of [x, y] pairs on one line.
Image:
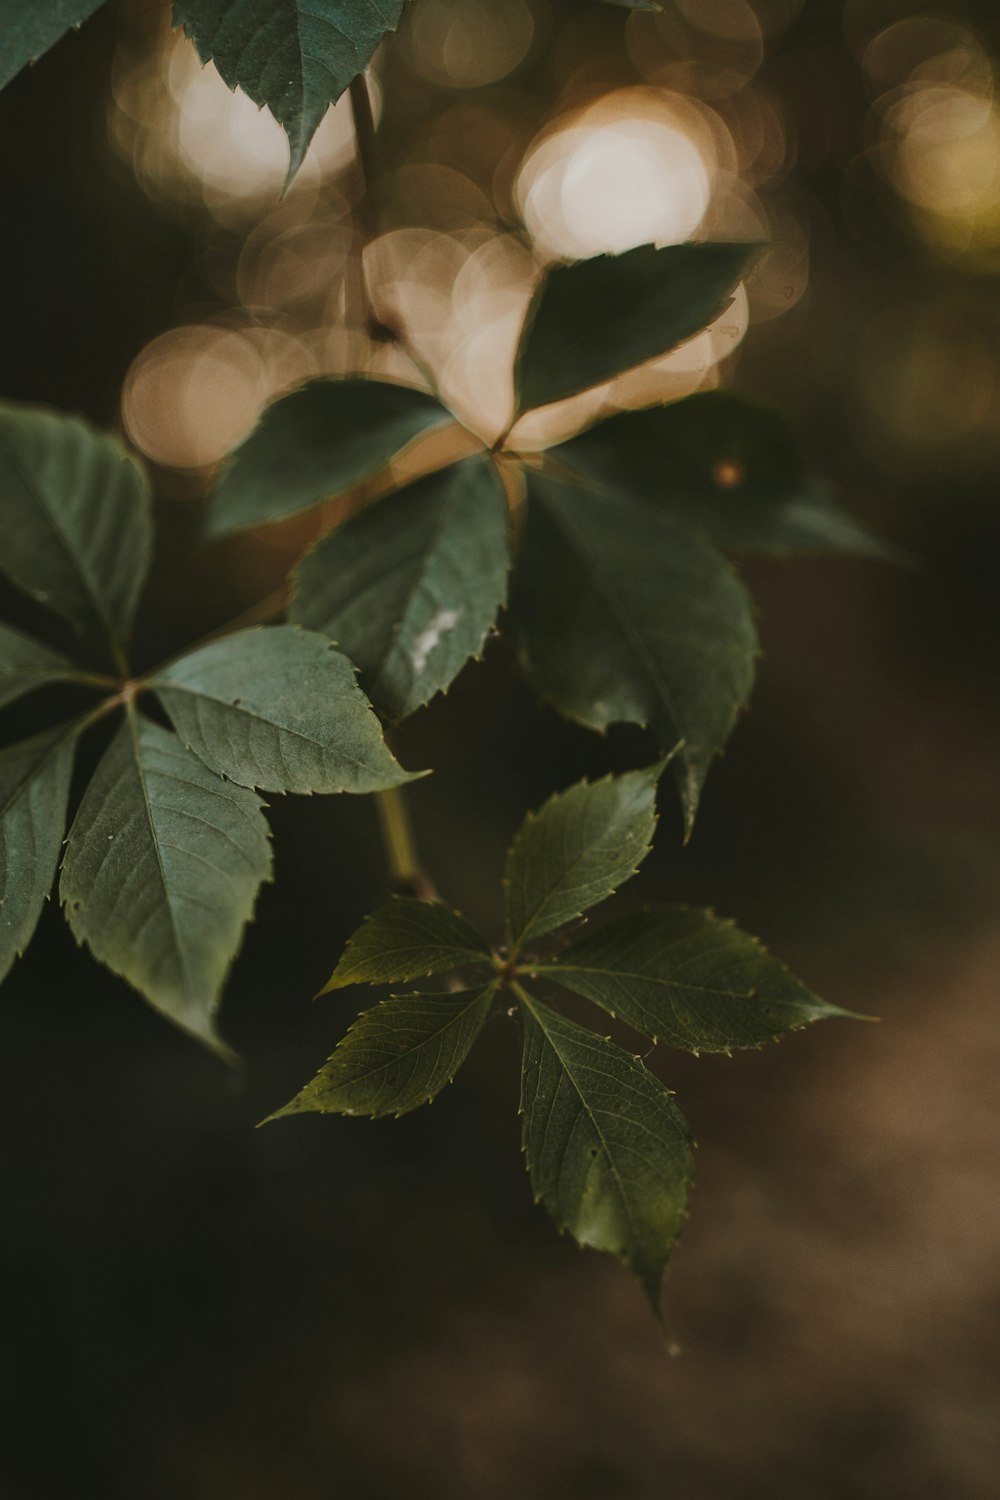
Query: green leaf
[[577, 850], [622, 615], [410, 587], [724, 467], [635, 4], [295, 56], [34, 788], [688, 978], [76, 517], [591, 320], [162, 868], [321, 440], [407, 939], [26, 664], [30, 27], [278, 709], [608, 1151], [397, 1055]]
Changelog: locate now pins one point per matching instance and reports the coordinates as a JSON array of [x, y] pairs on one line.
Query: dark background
[[337, 1308]]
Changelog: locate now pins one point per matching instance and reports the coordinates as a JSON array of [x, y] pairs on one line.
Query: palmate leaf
[[591, 320], [622, 615], [34, 788], [398, 1055], [577, 850], [26, 664], [76, 518], [295, 56], [407, 939], [278, 709], [724, 467], [608, 1151], [28, 28], [314, 444], [688, 978], [410, 587], [162, 868]]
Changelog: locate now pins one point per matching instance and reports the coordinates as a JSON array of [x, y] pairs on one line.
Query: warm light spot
[[635, 168], [192, 395], [727, 474], [943, 149], [468, 43]]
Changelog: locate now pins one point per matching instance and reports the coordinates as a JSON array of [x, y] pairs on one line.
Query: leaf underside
[[162, 868], [727, 469], [407, 939], [278, 709], [34, 789], [76, 516], [29, 28], [398, 1055], [592, 320], [410, 588], [624, 616], [608, 1151], [689, 979], [314, 444], [577, 850]]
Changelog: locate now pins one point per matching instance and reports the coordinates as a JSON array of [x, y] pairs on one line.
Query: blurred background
[[333, 1308]]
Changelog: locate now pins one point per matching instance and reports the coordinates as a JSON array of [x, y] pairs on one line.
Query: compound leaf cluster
[[169, 845], [608, 1151]]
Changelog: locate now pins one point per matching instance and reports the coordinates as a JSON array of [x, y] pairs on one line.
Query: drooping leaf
[[623, 615], [608, 1151], [28, 28], [34, 787], [410, 587], [278, 709], [397, 1055], [577, 850], [295, 56], [162, 868], [26, 664], [728, 469], [595, 318], [407, 939], [688, 978], [76, 519], [321, 440]]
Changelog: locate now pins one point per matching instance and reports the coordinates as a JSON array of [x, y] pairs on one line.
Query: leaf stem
[[407, 875]]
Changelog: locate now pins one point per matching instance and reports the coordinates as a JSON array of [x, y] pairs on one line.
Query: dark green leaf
[[608, 1151], [397, 1055], [323, 439], [407, 939], [278, 709], [635, 4], [726, 468], [34, 787], [690, 979], [26, 664], [577, 850], [28, 28], [295, 56], [592, 320], [622, 615], [410, 587], [162, 868], [76, 518]]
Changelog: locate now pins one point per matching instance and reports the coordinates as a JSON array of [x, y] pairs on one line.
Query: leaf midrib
[[38, 496], [529, 1005]]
